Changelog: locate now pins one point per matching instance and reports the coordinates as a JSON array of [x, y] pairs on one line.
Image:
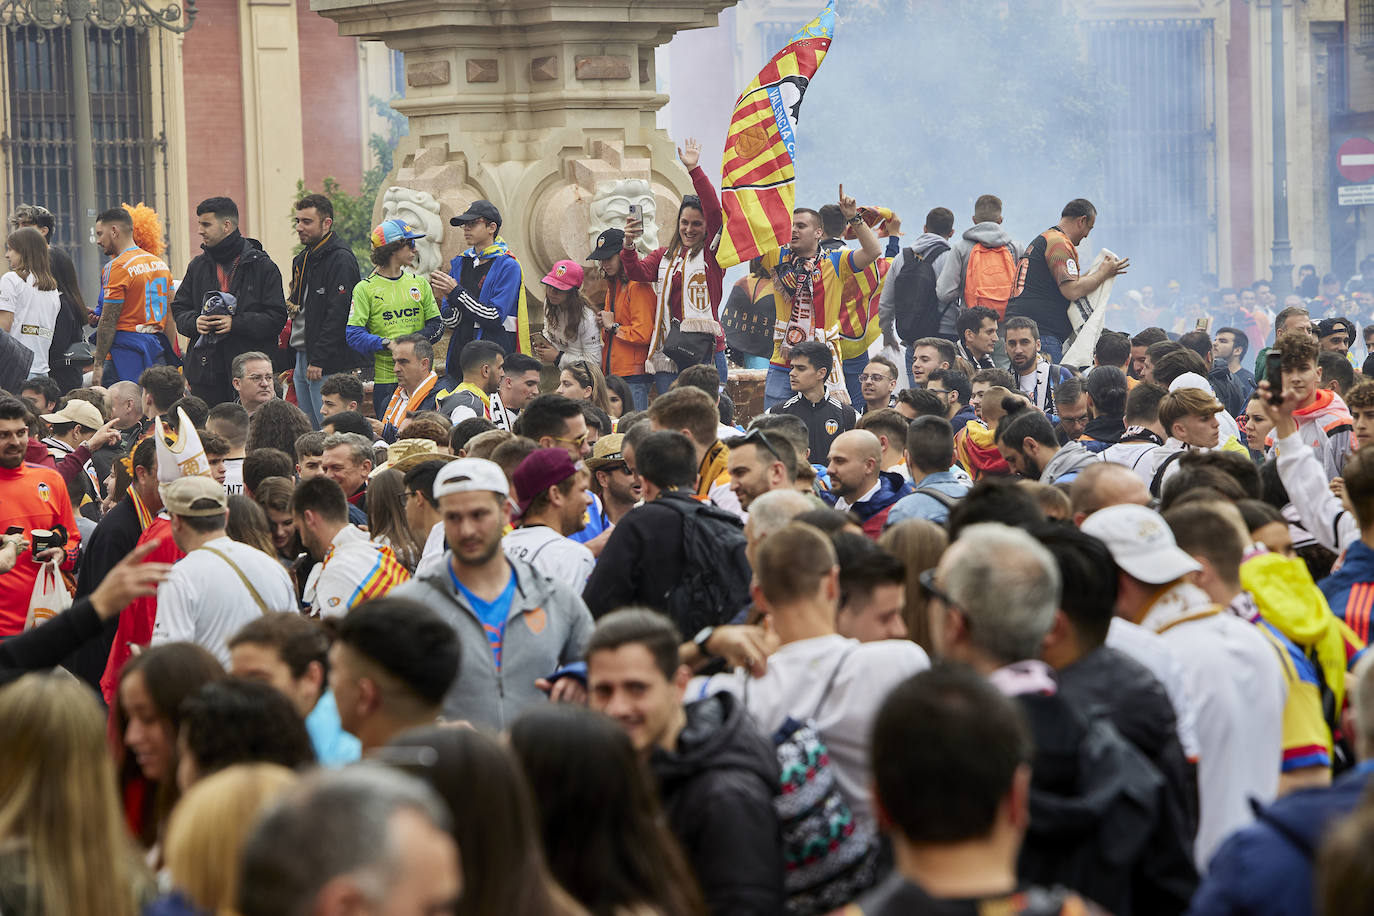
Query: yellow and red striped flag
[[758, 177]]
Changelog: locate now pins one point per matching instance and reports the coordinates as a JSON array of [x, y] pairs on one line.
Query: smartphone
[[1203, 324], [634, 211], [1273, 374]]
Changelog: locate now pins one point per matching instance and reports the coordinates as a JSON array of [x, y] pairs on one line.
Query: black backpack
[[919, 311], [714, 586]]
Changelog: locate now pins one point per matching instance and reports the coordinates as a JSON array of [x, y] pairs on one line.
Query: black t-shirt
[[824, 420], [1037, 291], [898, 897]]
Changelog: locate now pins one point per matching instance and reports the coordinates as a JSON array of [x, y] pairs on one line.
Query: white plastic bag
[[50, 596]]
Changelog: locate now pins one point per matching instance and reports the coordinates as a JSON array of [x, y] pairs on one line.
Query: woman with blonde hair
[[207, 831], [582, 381], [29, 300], [918, 543], [64, 848]]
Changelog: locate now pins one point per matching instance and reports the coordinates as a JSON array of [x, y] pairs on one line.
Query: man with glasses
[[955, 388], [253, 380], [1074, 409], [878, 384], [614, 481], [230, 302]]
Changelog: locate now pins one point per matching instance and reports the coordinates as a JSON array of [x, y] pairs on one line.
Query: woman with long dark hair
[[569, 322], [504, 872], [582, 381], [604, 833], [147, 716], [386, 517], [689, 282], [277, 424], [72, 320]]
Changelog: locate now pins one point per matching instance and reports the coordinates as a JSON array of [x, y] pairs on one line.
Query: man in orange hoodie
[[1324, 422]]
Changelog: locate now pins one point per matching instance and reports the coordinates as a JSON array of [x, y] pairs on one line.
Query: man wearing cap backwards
[[1231, 675], [515, 626], [553, 500], [390, 302], [613, 478], [484, 290], [351, 568], [220, 584], [413, 359], [626, 318], [30, 497], [239, 267]]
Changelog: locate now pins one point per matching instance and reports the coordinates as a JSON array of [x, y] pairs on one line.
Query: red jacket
[[136, 623]]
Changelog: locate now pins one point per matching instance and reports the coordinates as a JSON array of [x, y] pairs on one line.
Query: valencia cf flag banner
[[758, 177]]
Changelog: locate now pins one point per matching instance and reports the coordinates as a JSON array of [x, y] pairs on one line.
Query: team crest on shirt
[[45, 492], [536, 620], [341, 289], [334, 601], [415, 293], [832, 427]]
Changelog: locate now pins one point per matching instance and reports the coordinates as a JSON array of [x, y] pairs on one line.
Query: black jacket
[[326, 280], [1227, 389], [717, 788], [46, 646], [114, 537], [258, 322], [645, 559], [1097, 816]]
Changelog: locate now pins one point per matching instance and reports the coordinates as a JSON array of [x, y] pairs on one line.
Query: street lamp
[[139, 15]]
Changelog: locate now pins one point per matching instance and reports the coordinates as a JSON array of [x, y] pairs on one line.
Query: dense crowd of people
[[330, 593]]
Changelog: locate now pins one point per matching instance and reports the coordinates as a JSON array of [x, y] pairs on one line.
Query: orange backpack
[[989, 278]]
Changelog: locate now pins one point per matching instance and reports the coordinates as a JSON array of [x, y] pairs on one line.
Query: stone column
[[544, 107]]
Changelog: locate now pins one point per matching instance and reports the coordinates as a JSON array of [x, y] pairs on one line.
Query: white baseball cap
[[1191, 380], [469, 475], [1141, 543]]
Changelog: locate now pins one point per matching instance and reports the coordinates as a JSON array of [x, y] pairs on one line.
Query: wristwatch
[[615, 327], [855, 220], [702, 638]]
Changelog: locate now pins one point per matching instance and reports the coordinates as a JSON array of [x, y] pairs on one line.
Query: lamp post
[[80, 15], [1282, 251]]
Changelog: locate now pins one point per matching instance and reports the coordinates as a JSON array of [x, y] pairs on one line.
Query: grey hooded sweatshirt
[[949, 286], [1067, 462]]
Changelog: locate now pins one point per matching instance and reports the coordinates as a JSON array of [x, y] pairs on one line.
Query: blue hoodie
[[872, 512], [1266, 868], [1352, 604]]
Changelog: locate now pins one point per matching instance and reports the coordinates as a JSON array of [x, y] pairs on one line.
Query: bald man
[[1102, 484], [126, 411], [859, 482]]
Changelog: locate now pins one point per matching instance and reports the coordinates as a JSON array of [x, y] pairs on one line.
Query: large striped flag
[[758, 178]]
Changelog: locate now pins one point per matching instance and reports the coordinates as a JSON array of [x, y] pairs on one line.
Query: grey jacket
[[1067, 462], [949, 286], [887, 299], [548, 627]]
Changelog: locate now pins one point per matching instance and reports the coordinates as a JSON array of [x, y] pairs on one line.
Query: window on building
[[38, 139]]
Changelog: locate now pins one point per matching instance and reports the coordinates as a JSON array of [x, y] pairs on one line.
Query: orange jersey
[[31, 496], [140, 286]]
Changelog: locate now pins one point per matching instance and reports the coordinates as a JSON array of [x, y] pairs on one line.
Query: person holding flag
[[813, 285], [689, 283]]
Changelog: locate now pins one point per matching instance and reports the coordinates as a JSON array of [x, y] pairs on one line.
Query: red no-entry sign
[[1355, 159]]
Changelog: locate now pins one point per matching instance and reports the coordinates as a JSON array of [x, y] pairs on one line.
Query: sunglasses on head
[[756, 436]]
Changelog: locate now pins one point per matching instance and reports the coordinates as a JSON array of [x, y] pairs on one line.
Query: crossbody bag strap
[[262, 605], [830, 682]]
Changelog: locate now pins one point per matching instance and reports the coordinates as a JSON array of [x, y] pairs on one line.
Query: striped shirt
[[353, 570]]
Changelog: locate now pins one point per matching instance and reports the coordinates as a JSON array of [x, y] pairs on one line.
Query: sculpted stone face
[[419, 209], [611, 207]]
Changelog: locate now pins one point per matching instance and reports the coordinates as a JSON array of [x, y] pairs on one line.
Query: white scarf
[[696, 303]]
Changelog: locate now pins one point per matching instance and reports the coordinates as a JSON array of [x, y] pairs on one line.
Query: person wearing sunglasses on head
[[390, 302], [230, 302]]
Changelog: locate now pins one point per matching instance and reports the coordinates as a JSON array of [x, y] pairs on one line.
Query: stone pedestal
[[544, 107]]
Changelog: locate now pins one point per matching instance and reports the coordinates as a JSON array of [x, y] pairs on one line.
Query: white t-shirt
[[233, 476], [795, 681], [204, 600], [432, 557], [1235, 682], [35, 315], [551, 554]]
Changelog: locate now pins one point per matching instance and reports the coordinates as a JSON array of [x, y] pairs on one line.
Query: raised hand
[[690, 153], [847, 205]]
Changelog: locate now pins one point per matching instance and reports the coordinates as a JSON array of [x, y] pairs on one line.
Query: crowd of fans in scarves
[[299, 615]]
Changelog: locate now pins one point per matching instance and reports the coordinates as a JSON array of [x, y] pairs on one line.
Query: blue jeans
[[307, 392], [1052, 347], [381, 396], [852, 369], [722, 368], [639, 390], [777, 387]]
